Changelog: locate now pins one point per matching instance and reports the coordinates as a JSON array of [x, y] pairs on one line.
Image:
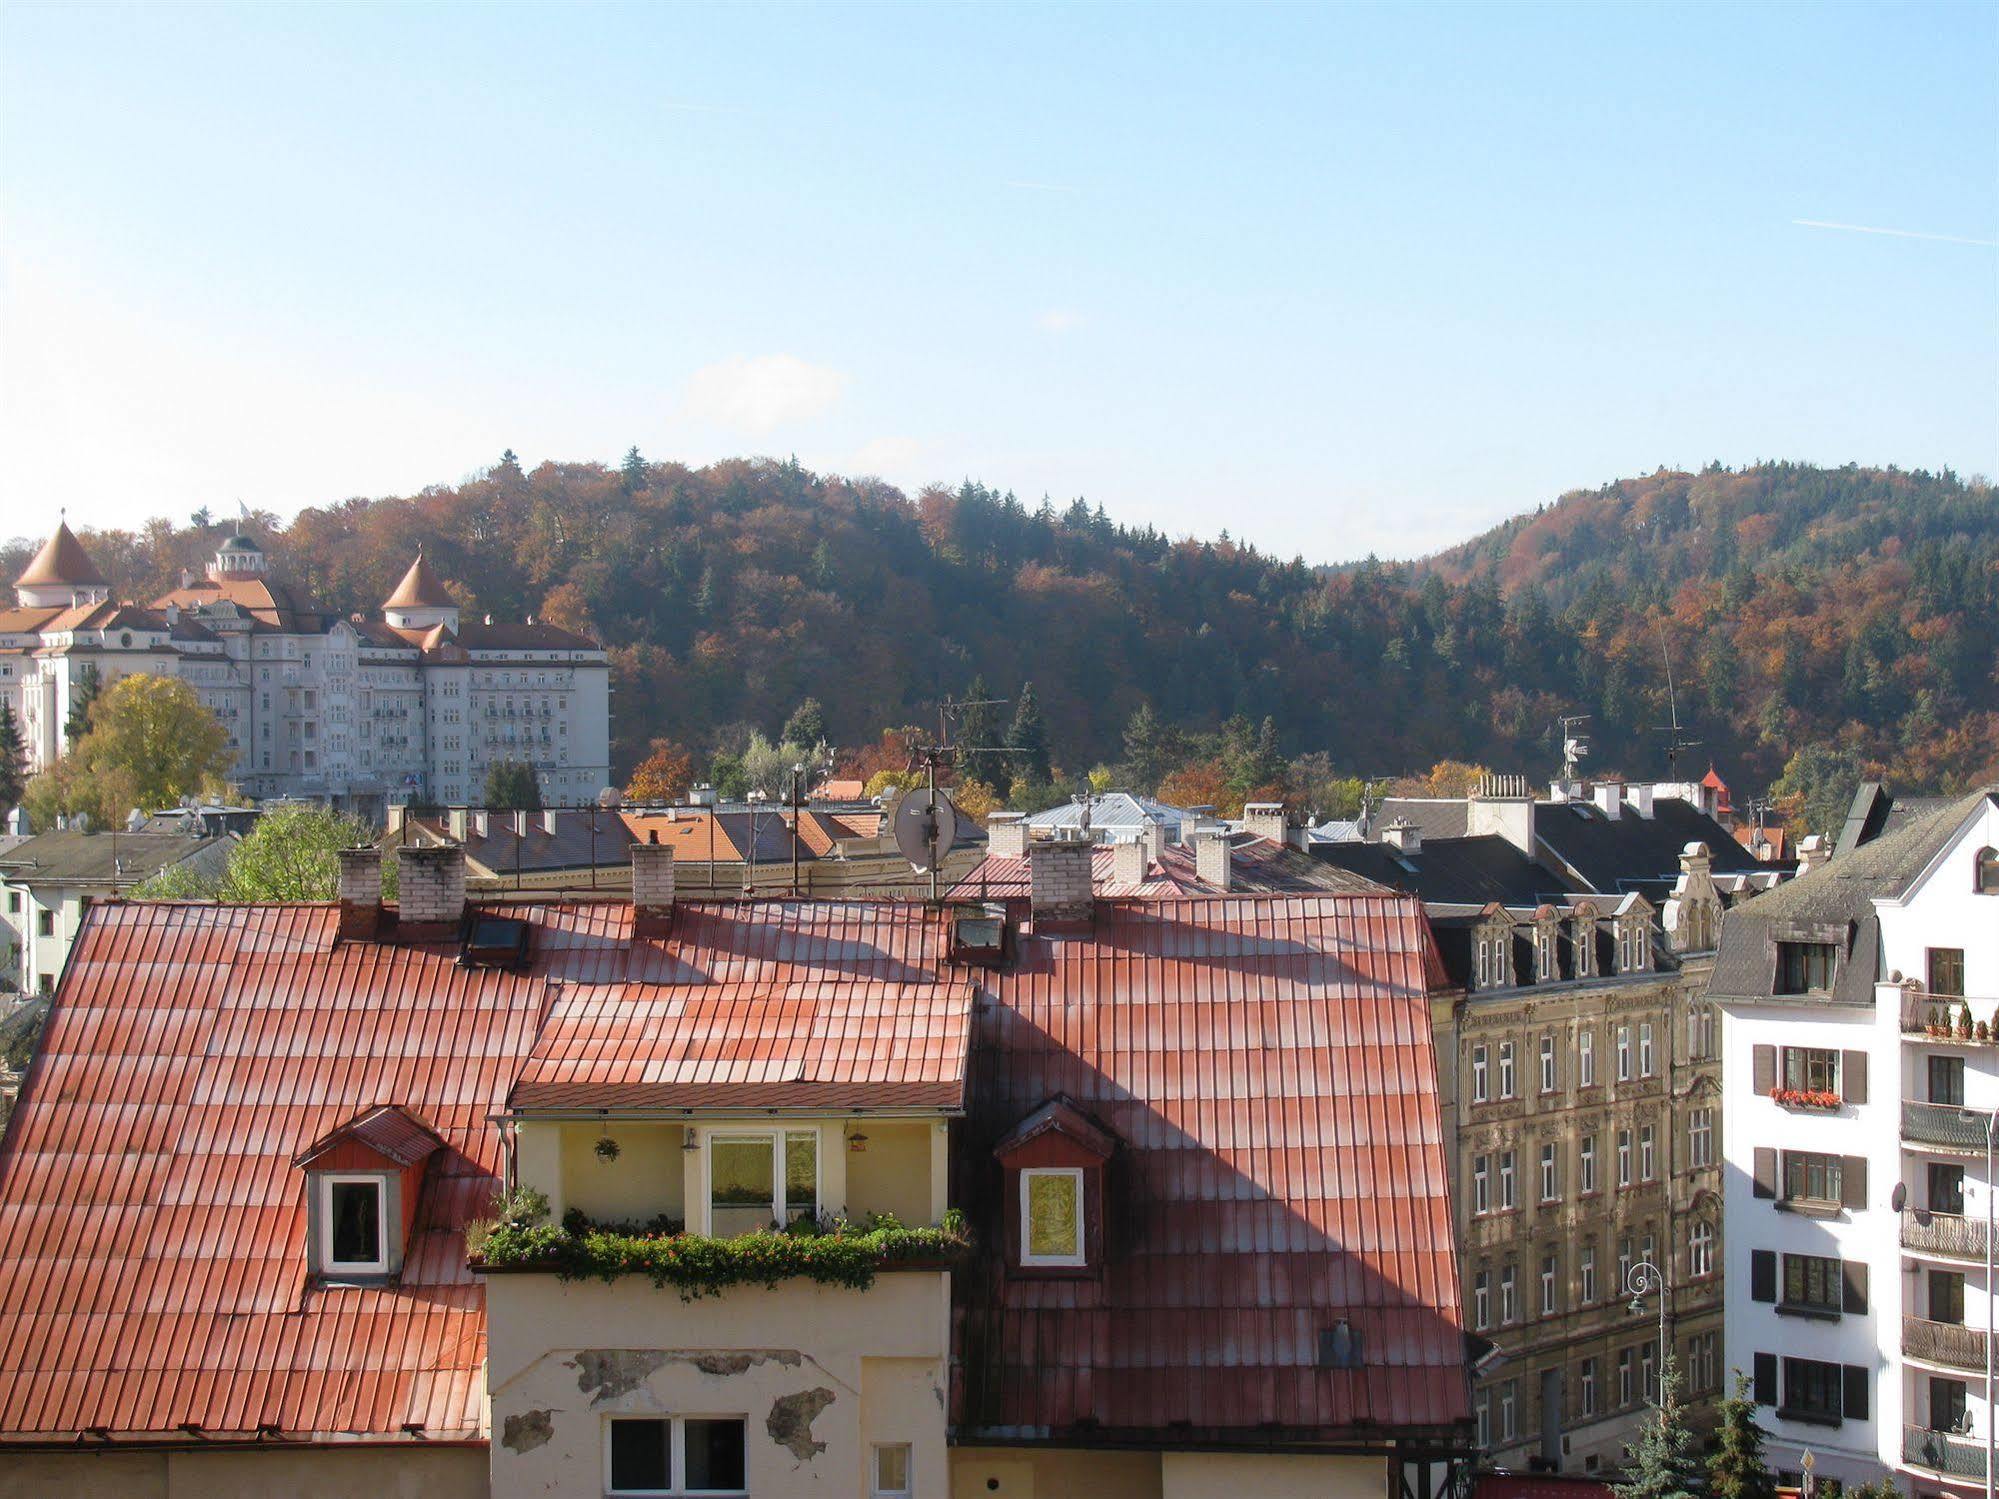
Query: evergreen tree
[[1736, 1470], [806, 727], [511, 786], [508, 467], [1027, 737], [1151, 750], [13, 759], [632, 472], [1660, 1463], [977, 730], [81, 696]]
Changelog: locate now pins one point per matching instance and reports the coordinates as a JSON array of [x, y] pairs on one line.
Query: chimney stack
[[1006, 835], [1265, 820], [1058, 878], [1131, 862], [1152, 833], [548, 821], [652, 889], [1403, 836], [1812, 853], [1639, 794], [1609, 798], [360, 892], [454, 823], [432, 879], [1212, 864]]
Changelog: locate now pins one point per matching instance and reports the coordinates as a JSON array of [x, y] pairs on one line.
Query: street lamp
[[1643, 1279]]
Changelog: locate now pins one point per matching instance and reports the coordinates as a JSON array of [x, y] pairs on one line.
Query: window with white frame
[[1647, 1154], [1051, 1215], [1509, 1304], [1700, 1032], [1700, 1248], [1509, 1410], [1551, 1186], [1548, 1077], [1551, 1270], [1700, 1137], [1586, 1273], [353, 1224], [1481, 1300], [1482, 1408], [1624, 1053], [1586, 1386], [1645, 1057], [1481, 1184], [1508, 1197], [1586, 1059], [1624, 1158], [1586, 1164], [1544, 953], [1506, 1078], [1479, 1080], [1624, 1391], [655, 1455], [1624, 1263], [891, 1471], [760, 1177]]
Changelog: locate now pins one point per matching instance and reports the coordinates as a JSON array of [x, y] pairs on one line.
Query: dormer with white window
[[1492, 950], [1582, 939], [1052, 1195], [1547, 944], [362, 1183], [1631, 929]]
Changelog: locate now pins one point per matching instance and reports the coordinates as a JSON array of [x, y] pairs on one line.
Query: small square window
[[352, 1236], [891, 1471], [1051, 1216]]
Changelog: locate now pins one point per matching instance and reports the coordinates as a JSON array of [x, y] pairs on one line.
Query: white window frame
[[1624, 1158], [1550, 1281], [1586, 1058], [676, 1456], [1586, 1385], [780, 1207], [1479, 1075], [1646, 1060], [1509, 1301], [1027, 1256], [875, 1489], [1509, 1194], [1508, 1079], [1481, 1301], [1551, 1179], [1700, 1248], [1549, 1078], [1481, 1184], [1586, 1164], [328, 1265], [1700, 1136], [1586, 1274], [1624, 1053], [1648, 1153]]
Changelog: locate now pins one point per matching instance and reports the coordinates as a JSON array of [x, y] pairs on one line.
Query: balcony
[[1950, 1019], [1945, 1234], [1945, 1126], [1940, 1452], [1943, 1343]]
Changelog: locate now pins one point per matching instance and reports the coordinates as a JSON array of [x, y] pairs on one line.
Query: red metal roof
[[1256, 865], [1266, 1066]]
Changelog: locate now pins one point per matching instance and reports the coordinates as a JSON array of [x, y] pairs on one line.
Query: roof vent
[[1339, 1346], [978, 933], [492, 941]]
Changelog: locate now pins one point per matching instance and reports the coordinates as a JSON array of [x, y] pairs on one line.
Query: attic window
[[978, 933], [493, 942], [352, 1210], [1051, 1216]]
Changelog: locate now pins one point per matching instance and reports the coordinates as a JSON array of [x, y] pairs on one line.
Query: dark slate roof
[[1876, 811], [121, 859], [1450, 871], [1615, 855], [1433, 816], [1834, 903]]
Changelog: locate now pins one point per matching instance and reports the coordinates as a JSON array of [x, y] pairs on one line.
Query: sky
[[1337, 280]]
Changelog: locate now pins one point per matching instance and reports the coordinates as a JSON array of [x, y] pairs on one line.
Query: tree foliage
[[662, 777], [1660, 1462], [293, 853], [149, 744], [13, 759], [1735, 1468], [512, 786]]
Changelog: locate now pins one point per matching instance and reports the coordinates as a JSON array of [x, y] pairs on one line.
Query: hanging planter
[[608, 1150]]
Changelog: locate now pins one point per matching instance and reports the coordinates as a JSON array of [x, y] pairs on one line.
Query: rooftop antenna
[[1575, 744], [1674, 742], [926, 821]]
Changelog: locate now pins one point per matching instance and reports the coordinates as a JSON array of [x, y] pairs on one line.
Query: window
[[1586, 1164], [1946, 1184], [1700, 1137], [1624, 1263], [1947, 971], [1509, 1410], [1947, 1080], [1811, 1390], [1810, 1177], [1550, 1270], [891, 1471], [1624, 1387], [1624, 1053], [1548, 1078], [1804, 967], [1700, 1032], [674, 1455], [1586, 1386], [1506, 1081], [1482, 1408], [747, 1192], [1986, 879], [1481, 1300], [1624, 1158], [1810, 1069], [1648, 1166], [1586, 1059], [1947, 1296], [351, 1238], [1586, 1273], [1645, 1057], [1051, 1216], [1550, 1186], [1507, 1197], [1479, 1092], [1949, 1409], [1509, 1306], [1700, 1249], [1703, 1363], [1648, 1372], [1481, 1184]]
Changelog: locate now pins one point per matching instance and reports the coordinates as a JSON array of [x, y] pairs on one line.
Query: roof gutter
[[684, 1116]]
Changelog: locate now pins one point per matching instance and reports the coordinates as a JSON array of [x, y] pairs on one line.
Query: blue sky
[[1337, 280]]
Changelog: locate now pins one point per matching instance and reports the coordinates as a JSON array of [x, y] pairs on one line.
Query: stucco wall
[[1221, 1475], [402, 1472], [893, 1174], [818, 1373], [645, 1180], [1022, 1473]]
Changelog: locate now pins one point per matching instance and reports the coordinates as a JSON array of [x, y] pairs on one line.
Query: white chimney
[[1130, 862], [1403, 835], [1812, 853], [1264, 820], [1212, 862], [1152, 833], [431, 884], [360, 891], [1059, 878], [548, 821], [1639, 794], [455, 823], [1609, 798], [1006, 835]]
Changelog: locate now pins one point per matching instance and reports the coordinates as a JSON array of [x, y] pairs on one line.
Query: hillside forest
[[1819, 624]]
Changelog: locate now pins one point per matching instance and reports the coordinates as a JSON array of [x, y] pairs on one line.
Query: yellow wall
[[403, 1472], [1023, 1473], [893, 1174], [645, 1179], [562, 1357], [1223, 1475]]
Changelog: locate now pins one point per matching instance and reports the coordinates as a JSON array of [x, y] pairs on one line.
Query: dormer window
[[352, 1225], [1054, 1163], [1051, 1215]]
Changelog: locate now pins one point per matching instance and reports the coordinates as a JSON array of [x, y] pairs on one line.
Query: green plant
[[1736, 1469], [1660, 1461], [607, 1149]]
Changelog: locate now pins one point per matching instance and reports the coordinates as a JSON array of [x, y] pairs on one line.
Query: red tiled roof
[[1266, 1066], [1257, 865], [388, 1131]]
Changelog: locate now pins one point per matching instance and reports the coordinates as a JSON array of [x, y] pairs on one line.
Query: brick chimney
[[1265, 820], [1006, 835], [1212, 865], [1403, 836], [360, 892], [1130, 862], [1152, 833], [1058, 878], [432, 878], [652, 889]]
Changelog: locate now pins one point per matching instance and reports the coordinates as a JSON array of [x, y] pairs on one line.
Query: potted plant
[[607, 1149], [1936, 1024], [1964, 1023]]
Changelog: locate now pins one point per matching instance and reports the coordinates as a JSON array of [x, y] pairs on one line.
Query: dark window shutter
[[1766, 1070], [1853, 1076], [1762, 1275], [1766, 1172], [1853, 1181], [1856, 1285], [1766, 1379], [1854, 1406]]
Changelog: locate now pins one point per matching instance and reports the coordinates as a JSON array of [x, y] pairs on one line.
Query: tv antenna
[[1674, 730], [1575, 744], [926, 823]]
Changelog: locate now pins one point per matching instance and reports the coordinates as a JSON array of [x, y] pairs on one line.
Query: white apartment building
[[1861, 1078], [361, 713]]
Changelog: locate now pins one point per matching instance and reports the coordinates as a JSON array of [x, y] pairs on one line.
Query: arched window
[[1987, 880]]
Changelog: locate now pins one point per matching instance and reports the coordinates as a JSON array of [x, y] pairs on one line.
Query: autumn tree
[[1817, 787], [663, 777], [512, 786], [151, 743]]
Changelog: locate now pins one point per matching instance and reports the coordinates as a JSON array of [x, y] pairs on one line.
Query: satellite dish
[[1899, 1198], [926, 828]]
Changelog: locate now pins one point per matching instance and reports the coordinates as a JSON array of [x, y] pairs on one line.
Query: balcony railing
[[1945, 1124], [1923, 1014], [1960, 1457], [1943, 1343], [1944, 1233]]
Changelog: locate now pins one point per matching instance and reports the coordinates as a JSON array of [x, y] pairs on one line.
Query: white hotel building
[[361, 713], [1861, 1077]]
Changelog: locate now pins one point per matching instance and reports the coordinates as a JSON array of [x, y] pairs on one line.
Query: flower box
[[1816, 1100]]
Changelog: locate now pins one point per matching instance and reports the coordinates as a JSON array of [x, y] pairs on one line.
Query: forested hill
[[1851, 608]]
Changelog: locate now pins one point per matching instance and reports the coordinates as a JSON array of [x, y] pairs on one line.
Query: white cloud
[[756, 396], [1056, 320]]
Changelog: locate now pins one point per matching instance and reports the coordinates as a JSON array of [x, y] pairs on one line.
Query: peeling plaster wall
[[402, 1472], [819, 1375]]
